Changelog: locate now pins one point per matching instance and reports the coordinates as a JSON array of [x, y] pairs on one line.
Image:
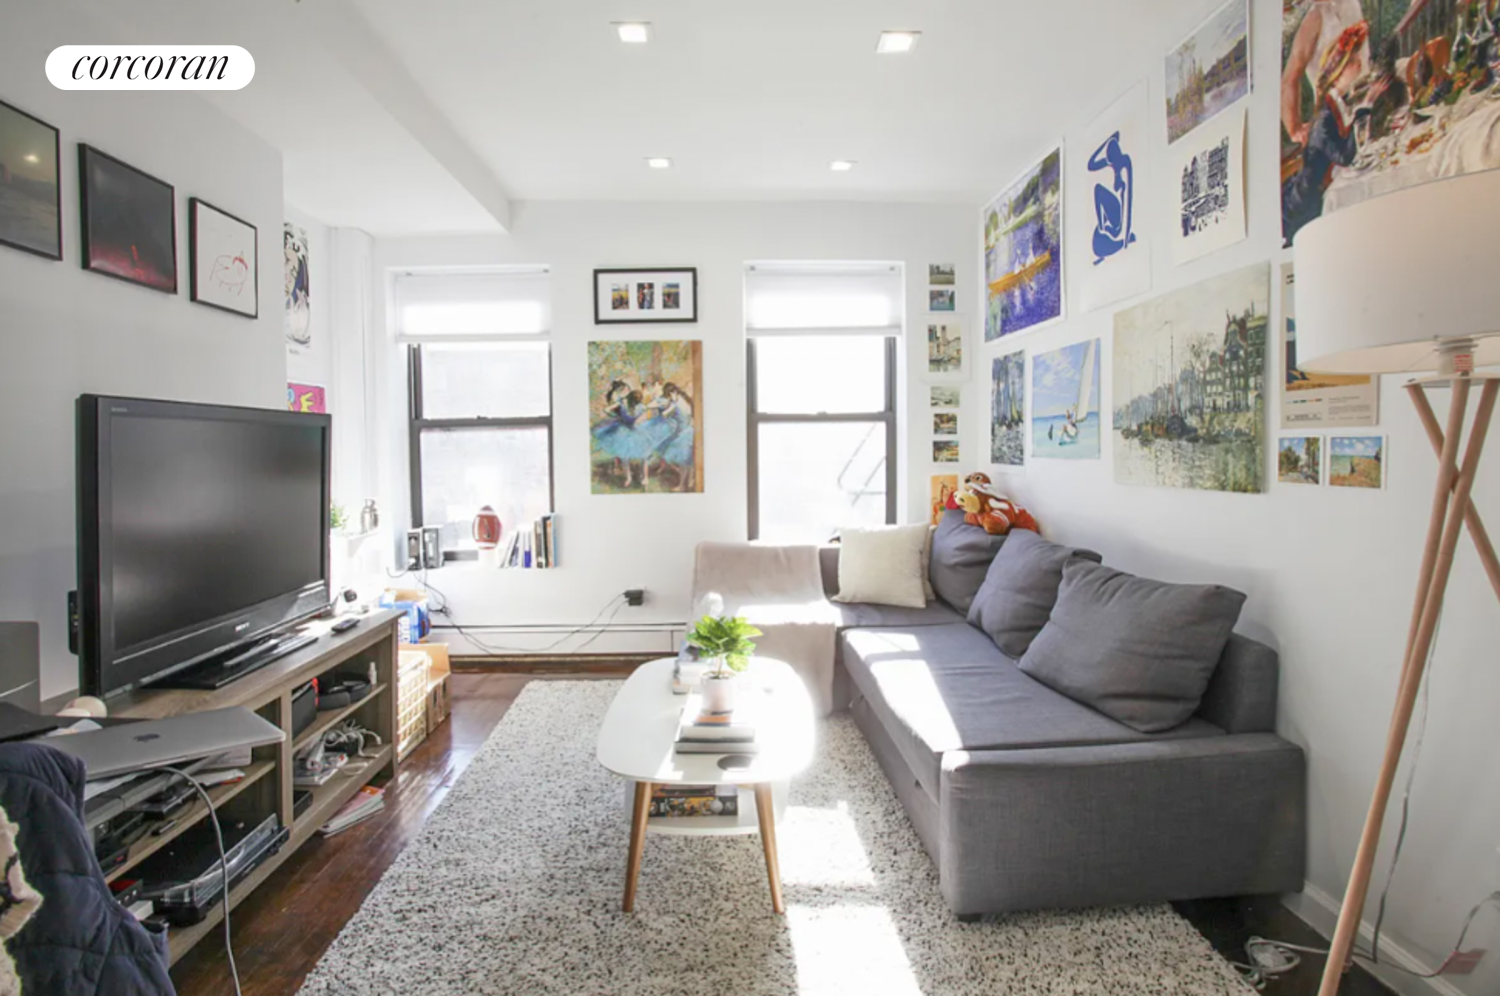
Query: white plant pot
[[719, 693]]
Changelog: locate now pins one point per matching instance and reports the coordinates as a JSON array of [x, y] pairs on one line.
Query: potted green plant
[[724, 641]]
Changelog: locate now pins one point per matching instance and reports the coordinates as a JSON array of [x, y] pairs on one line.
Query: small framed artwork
[[1356, 462], [945, 451], [129, 222], [1299, 460], [946, 397], [945, 349], [625, 297], [945, 423], [30, 191], [225, 254], [940, 274], [940, 299]]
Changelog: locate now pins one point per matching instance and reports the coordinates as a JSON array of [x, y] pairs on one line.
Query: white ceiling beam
[[343, 30]]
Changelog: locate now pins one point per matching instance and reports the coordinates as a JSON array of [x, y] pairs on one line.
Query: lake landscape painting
[[1190, 386], [1023, 247], [1209, 70], [1065, 403]]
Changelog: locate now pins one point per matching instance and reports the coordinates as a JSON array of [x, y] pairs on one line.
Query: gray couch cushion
[[865, 615], [942, 688], [1016, 598], [961, 555], [1139, 650]]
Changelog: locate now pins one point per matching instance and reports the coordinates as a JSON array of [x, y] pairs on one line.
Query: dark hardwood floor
[[284, 927]]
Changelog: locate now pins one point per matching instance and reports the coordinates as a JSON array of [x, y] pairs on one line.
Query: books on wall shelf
[[531, 547], [368, 801], [695, 800], [700, 732]]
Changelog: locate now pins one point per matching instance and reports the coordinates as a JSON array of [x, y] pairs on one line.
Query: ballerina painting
[[646, 425]]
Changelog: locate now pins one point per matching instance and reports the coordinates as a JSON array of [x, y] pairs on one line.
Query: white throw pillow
[[883, 566]]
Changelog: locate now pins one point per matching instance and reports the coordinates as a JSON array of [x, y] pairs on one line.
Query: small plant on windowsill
[[725, 641], [338, 519]]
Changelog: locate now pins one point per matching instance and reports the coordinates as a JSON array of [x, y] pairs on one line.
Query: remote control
[[345, 624]]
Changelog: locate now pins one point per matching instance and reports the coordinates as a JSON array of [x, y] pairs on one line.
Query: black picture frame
[[651, 316], [196, 205], [34, 250], [105, 217]]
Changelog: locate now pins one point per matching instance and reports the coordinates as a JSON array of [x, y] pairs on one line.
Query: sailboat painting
[[1065, 403], [1190, 386]]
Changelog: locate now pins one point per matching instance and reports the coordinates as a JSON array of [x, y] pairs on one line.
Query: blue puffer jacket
[[81, 942]]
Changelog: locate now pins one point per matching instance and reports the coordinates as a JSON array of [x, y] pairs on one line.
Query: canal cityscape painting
[[1023, 247], [1190, 386]]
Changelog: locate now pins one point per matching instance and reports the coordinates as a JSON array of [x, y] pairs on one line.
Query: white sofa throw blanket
[[779, 589]]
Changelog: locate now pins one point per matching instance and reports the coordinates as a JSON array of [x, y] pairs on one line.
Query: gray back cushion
[[961, 554], [1138, 650], [1016, 598]]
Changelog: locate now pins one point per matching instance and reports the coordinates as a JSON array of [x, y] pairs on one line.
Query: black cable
[[1411, 777], [499, 649], [213, 816]]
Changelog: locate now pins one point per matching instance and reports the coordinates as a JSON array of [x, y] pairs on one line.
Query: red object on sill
[[487, 528]]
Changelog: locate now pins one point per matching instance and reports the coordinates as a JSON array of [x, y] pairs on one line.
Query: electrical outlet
[[635, 597]]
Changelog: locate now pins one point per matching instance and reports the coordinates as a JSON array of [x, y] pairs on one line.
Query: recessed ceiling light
[[841, 165], [633, 32], [894, 42], [32, 157], [659, 162]]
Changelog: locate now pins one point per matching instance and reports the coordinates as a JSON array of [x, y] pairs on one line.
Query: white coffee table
[[637, 738]]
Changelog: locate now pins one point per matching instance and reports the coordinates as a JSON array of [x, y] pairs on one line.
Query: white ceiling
[[751, 100]]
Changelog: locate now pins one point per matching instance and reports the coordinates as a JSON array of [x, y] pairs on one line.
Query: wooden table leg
[[641, 810], [765, 809]]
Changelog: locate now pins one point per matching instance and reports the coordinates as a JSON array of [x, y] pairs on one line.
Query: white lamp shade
[[1383, 283]]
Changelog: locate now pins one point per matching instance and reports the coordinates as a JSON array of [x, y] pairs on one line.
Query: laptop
[[130, 747]]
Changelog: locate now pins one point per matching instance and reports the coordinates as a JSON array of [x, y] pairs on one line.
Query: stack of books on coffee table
[[702, 732]]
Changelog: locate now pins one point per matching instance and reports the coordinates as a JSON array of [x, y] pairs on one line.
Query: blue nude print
[[1114, 204]]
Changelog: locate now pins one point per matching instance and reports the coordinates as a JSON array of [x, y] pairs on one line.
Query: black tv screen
[[201, 528]]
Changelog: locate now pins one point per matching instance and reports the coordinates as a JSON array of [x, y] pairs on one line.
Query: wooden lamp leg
[[1450, 504]]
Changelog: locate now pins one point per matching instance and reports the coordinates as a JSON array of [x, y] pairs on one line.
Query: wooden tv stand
[[267, 785]]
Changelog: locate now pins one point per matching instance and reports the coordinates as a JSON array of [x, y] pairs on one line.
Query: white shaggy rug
[[514, 886]]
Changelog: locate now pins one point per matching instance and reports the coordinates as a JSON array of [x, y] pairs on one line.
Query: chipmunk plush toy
[[992, 512]]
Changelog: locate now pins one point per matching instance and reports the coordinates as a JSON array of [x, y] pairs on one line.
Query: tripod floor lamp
[[1407, 284]]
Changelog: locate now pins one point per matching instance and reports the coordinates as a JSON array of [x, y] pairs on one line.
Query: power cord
[[1269, 958], [213, 816]]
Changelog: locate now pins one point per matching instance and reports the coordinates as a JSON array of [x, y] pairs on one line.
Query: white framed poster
[[1111, 196], [1206, 184], [224, 251]]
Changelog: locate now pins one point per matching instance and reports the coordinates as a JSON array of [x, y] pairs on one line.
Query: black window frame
[[417, 423], [755, 419]]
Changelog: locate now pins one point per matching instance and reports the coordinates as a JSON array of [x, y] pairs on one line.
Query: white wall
[[1329, 574], [66, 331], [610, 543]]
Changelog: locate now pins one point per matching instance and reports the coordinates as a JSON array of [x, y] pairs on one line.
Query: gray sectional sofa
[[1026, 797]]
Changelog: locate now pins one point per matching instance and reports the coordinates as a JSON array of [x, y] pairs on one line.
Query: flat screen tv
[[201, 530]]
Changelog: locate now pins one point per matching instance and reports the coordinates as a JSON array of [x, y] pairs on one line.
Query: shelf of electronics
[[267, 787]]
